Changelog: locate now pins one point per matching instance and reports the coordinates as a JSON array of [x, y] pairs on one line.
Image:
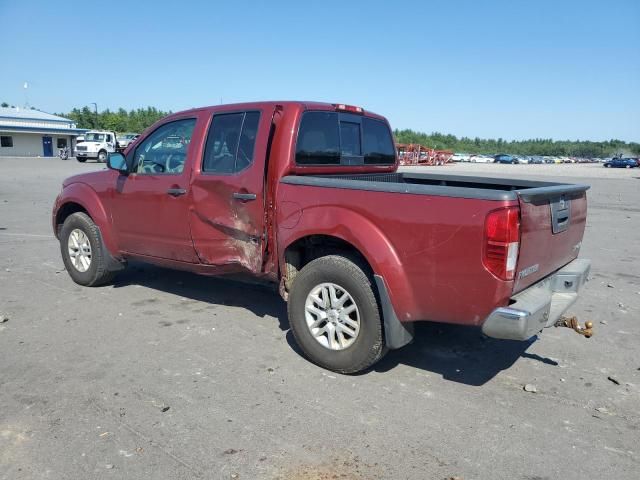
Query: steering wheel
[[175, 163], [153, 167]]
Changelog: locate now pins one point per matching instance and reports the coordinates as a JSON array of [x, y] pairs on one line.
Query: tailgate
[[551, 226]]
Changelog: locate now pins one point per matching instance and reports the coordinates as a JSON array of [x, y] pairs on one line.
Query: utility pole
[[95, 105]]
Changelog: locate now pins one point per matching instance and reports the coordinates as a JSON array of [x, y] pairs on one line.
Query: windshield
[[128, 136], [94, 137]]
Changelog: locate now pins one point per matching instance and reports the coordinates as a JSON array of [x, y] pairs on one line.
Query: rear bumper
[[540, 305]]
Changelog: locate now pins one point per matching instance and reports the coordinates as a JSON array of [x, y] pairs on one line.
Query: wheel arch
[[79, 197], [64, 211], [350, 232], [306, 249]]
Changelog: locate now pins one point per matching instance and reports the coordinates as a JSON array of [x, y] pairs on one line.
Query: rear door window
[[231, 142], [331, 138]]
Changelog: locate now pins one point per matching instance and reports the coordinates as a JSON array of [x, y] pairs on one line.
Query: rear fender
[[365, 236], [87, 198]]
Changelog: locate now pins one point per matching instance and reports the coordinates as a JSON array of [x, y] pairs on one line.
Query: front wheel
[[83, 253], [627, 166], [334, 315], [102, 156]]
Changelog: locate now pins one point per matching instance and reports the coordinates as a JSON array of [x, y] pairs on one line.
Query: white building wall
[[30, 144]]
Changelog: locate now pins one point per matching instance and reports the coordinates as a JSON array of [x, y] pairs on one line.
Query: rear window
[[378, 147], [331, 138]]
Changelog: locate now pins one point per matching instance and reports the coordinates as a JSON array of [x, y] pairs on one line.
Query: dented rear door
[[227, 216]]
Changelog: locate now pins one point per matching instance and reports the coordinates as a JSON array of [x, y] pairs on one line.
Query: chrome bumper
[[540, 305]]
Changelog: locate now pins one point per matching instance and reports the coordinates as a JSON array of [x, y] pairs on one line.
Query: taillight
[[501, 242], [341, 107]]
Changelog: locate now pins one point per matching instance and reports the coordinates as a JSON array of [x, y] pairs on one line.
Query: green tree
[[121, 120]]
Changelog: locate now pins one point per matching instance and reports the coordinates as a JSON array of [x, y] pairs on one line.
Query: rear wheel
[[81, 159], [334, 315], [83, 253], [628, 166]]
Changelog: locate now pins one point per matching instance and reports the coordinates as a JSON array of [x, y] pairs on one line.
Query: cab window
[[165, 150], [230, 142]]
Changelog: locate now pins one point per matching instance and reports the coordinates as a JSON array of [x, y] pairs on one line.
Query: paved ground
[[172, 376]]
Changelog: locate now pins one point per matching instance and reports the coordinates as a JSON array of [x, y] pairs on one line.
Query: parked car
[[124, 139], [502, 158], [308, 196], [622, 163], [480, 159], [460, 157], [97, 145], [536, 160]]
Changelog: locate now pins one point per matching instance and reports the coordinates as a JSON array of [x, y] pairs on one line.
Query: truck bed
[[435, 224], [442, 185]]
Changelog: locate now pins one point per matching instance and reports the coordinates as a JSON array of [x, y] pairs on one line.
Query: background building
[[32, 133]]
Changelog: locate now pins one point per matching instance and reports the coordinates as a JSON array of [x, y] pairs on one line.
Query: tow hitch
[[572, 322]]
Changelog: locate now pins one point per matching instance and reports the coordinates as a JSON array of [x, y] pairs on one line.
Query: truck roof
[[302, 105]]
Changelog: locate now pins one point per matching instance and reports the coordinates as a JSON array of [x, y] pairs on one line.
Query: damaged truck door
[[227, 217]]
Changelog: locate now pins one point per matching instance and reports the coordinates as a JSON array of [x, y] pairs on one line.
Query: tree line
[[121, 120], [537, 146], [137, 120]]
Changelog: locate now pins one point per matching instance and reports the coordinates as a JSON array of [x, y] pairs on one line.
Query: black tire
[[102, 156], [97, 272], [368, 346], [81, 159]]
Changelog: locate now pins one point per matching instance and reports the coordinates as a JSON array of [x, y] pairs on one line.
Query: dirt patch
[[338, 469], [318, 473]]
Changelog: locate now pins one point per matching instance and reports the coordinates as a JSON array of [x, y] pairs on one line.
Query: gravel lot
[[168, 375]]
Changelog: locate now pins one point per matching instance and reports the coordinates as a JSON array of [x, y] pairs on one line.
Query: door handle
[[244, 197], [176, 192]]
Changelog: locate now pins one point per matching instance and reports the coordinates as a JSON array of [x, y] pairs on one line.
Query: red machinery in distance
[[416, 154]]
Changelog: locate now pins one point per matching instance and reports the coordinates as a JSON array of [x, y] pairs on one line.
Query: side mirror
[[116, 161]]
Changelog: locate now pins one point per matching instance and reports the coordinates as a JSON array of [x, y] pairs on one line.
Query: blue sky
[[559, 69]]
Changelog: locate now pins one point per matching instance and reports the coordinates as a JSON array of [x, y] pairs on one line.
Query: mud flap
[[396, 333]]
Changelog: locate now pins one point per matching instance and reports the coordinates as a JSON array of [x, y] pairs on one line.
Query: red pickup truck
[[308, 195]]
